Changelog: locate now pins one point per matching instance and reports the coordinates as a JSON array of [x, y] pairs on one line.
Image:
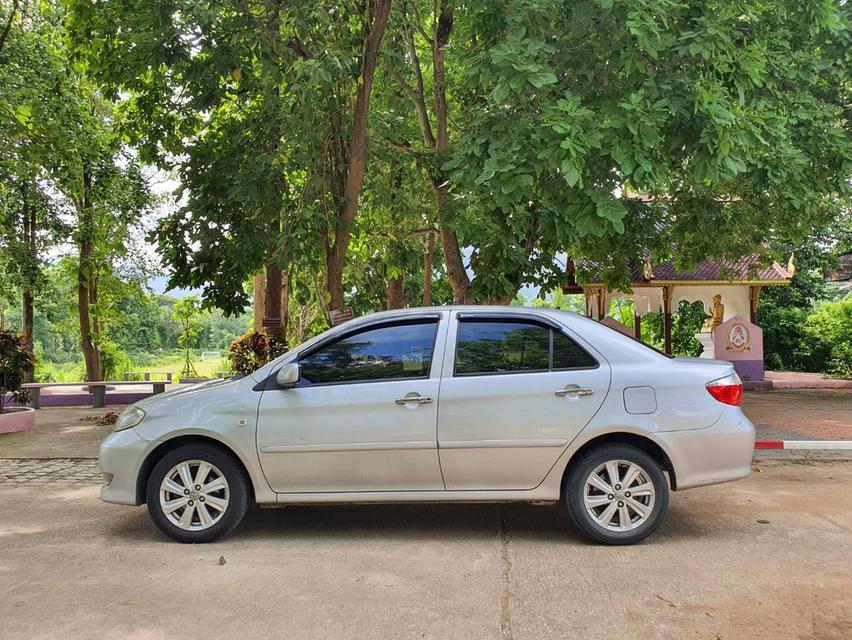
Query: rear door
[[364, 415], [515, 390]]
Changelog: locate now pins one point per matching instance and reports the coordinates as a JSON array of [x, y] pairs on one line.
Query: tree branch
[[9, 24], [419, 24], [418, 96]]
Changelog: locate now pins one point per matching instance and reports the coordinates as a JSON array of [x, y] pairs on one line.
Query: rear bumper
[[121, 456], [719, 453]]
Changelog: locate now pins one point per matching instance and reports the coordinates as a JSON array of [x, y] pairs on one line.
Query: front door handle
[[414, 399], [573, 391]]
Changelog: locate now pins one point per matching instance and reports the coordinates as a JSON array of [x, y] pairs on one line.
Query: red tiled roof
[[748, 268]]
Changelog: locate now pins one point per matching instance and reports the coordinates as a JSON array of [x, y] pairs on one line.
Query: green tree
[[186, 313], [57, 123], [727, 117], [274, 101]]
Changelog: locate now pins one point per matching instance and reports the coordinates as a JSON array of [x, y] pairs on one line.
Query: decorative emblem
[[739, 338]]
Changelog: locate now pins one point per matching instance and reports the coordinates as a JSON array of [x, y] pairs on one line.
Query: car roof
[[473, 308]]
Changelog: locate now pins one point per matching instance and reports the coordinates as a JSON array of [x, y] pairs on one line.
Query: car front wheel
[[197, 493], [616, 494]]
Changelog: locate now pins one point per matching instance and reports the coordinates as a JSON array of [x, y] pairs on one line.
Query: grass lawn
[[158, 363]]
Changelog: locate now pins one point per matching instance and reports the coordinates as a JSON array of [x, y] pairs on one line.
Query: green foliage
[[729, 118], [114, 361], [14, 361], [785, 343], [185, 312], [829, 329], [252, 351]]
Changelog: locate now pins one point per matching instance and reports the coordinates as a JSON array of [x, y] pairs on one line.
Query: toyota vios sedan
[[456, 404]]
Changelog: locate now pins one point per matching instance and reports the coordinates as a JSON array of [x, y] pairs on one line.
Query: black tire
[[238, 492], [572, 502]]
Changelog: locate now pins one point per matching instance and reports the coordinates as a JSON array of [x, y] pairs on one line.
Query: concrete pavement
[[767, 557]]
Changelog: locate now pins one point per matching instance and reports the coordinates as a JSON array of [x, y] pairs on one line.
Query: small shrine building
[[729, 291]]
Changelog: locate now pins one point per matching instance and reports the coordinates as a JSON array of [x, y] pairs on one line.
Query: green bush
[[829, 332], [14, 360], [114, 361], [253, 350], [786, 346]]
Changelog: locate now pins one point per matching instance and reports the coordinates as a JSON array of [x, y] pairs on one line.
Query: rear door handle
[[414, 399], [573, 391]]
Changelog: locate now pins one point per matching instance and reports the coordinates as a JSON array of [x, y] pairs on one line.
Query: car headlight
[[128, 418]]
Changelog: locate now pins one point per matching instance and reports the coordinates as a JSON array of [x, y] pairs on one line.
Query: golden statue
[[717, 315]]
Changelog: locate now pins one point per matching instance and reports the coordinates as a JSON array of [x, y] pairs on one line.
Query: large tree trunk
[[372, 42], [273, 321], [86, 291], [29, 229], [439, 140], [27, 330], [395, 293], [91, 354], [456, 273], [272, 317]]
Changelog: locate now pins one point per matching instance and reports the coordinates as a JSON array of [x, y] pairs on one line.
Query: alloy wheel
[[194, 495], [619, 495]]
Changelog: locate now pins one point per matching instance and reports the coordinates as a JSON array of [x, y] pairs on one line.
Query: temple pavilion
[[661, 288]]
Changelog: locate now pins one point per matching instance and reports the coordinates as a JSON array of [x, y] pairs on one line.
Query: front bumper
[[121, 456], [719, 453]]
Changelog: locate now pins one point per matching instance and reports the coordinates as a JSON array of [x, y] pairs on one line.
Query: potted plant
[[14, 361]]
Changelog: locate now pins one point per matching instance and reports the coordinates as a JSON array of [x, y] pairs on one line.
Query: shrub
[[14, 361], [786, 345], [829, 330], [252, 350], [114, 361]]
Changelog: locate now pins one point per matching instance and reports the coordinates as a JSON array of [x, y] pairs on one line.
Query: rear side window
[[567, 354], [509, 346], [390, 352]]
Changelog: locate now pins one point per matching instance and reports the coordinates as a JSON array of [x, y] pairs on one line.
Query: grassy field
[[159, 363]]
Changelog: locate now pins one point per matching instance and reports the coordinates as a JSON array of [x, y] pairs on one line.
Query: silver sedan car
[[455, 404]]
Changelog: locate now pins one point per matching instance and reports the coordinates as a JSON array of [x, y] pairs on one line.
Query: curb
[[804, 444]]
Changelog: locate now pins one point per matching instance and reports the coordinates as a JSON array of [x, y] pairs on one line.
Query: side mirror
[[288, 375]]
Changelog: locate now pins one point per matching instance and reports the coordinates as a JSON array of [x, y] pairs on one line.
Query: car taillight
[[728, 389]]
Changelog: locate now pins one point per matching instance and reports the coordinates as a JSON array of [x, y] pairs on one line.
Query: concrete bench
[[146, 375], [97, 389]]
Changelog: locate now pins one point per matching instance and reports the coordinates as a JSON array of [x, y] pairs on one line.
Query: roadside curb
[[835, 445]]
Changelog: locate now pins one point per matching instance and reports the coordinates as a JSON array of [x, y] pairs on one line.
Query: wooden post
[[754, 298], [667, 319], [637, 326]]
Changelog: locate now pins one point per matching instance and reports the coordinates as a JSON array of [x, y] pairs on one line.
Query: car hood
[[193, 389]]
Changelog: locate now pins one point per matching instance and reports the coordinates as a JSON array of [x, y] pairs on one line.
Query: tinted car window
[[382, 353], [495, 347], [567, 354]]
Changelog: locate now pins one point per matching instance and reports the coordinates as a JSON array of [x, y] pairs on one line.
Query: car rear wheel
[[197, 493], [616, 494]]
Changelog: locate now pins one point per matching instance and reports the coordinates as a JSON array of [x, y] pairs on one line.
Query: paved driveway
[[72, 567]]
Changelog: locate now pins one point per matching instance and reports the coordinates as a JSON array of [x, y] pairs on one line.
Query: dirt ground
[[767, 557]]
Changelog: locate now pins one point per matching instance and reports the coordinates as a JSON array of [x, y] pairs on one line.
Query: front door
[[515, 392], [362, 418]]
